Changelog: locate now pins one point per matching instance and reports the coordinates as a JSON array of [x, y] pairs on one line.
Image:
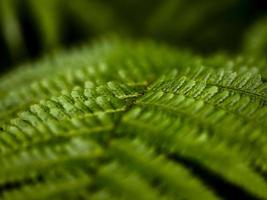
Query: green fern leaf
[[133, 120]]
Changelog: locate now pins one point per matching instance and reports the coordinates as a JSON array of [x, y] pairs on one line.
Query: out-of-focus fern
[[30, 27], [33, 27], [256, 38], [199, 23], [255, 43], [133, 120]]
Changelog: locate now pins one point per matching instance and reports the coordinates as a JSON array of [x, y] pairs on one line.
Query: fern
[[133, 120], [255, 40], [28, 28]]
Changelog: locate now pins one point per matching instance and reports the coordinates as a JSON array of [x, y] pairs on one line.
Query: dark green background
[[203, 26]]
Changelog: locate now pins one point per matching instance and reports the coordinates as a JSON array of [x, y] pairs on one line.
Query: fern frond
[[66, 115], [133, 121], [37, 162], [172, 137], [213, 109], [125, 184], [117, 58], [64, 187], [168, 177]]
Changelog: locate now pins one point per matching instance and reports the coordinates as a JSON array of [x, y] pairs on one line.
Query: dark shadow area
[[202, 26], [223, 188]]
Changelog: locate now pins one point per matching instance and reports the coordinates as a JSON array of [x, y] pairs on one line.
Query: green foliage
[[200, 24], [133, 120], [256, 39], [30, 27]]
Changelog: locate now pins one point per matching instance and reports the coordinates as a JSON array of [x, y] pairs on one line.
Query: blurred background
[[31, 28]]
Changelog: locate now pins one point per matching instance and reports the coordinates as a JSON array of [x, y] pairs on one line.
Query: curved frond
[[126, 120]]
